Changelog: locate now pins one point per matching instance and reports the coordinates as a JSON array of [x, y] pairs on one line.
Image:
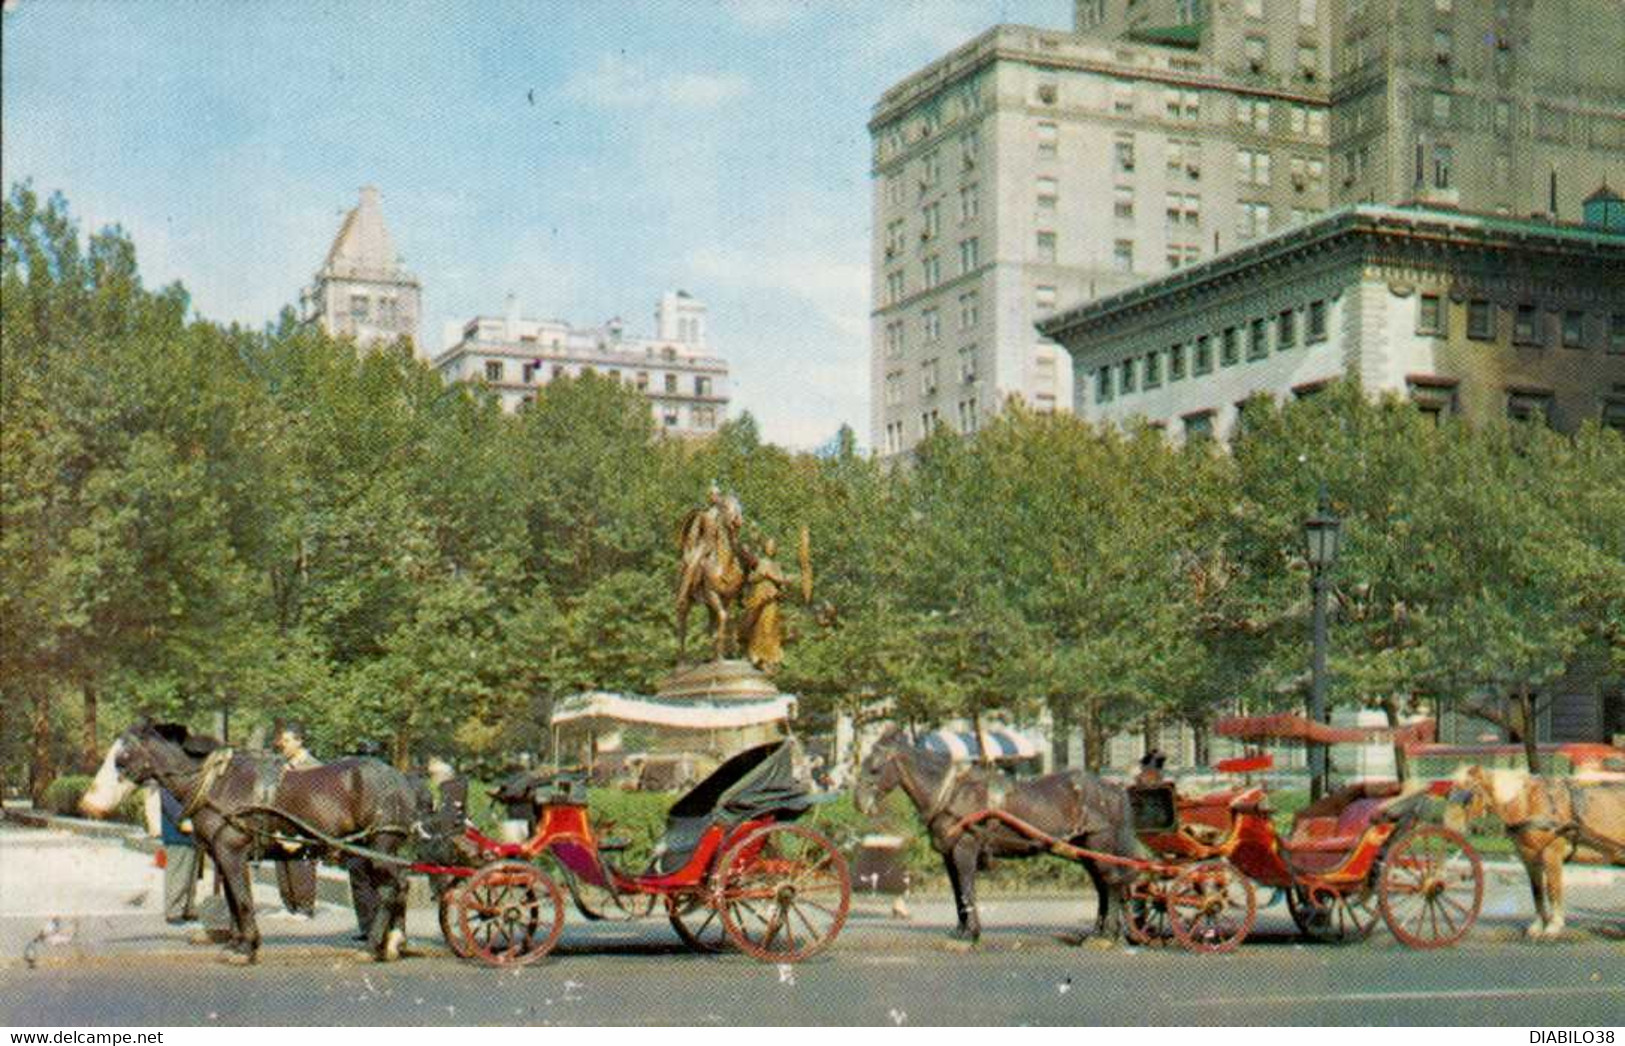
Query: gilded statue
[[714, 566], [761, 628]]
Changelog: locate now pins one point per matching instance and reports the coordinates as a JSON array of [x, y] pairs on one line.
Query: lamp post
[[1322, 534]]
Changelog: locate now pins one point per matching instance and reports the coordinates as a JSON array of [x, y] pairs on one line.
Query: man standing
[[180, 855], [296, 879]]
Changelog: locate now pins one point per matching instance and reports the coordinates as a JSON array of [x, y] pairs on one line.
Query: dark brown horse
[[1074, 807], [248, 805]]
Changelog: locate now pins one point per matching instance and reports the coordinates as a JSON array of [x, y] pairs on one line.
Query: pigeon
[[55, 931]]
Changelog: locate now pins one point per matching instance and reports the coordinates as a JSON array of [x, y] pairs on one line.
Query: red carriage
[[732, 870], [1357, 853]]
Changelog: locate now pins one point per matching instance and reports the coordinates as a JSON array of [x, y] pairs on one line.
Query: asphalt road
[[123, 966]]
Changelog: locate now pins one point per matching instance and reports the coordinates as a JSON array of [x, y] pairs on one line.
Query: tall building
[[1033, 168], [512, 356], [363, 289], [1471, 315]]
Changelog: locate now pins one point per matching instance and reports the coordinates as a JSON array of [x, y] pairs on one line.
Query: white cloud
[[617, 83]]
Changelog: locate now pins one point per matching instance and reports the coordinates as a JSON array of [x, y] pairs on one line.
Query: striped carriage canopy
[[999, 742]]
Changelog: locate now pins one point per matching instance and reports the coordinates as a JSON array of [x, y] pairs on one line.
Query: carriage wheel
[[508, 914], [1432, 887], [784, 893], [697, 922], [451, 921], [1145, 910], [600, 903], [1334, 916], [1211, 907]]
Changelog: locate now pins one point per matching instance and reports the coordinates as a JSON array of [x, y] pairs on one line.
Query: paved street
[[124, 966]]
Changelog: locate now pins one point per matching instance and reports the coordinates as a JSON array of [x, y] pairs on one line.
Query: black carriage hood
[[758, 782]]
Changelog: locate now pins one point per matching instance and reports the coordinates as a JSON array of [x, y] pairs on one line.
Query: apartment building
[[512, 356], [1030, 168]]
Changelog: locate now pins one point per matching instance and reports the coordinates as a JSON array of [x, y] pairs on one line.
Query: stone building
[[512, 356], [363, 289], [1031, 169], [1465, 314]]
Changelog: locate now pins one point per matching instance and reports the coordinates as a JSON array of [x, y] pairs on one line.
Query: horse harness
[[1563, 817]]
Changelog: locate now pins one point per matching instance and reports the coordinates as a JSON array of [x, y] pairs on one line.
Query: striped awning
[[999, 742], [602, 710]]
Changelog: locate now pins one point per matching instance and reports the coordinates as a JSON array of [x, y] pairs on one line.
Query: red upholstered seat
[[1338, 834]]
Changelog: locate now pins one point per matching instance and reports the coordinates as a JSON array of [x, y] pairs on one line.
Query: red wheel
[[451, 921], [508, 914], [1331, 915], [1432, 887], [1211, 907], [784, 893], [1145, 910], [697, 922]]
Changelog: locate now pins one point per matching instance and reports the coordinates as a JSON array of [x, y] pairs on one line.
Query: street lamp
[[1322, 536]]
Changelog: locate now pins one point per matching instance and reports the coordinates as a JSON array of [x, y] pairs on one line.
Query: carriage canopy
[[1289, 727]]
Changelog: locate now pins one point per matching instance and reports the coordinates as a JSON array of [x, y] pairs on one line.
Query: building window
[[1616, 332], [1430, 315], [1613, 416], [702, 386], [930, 170], [894, 437], [933, 221], [894, 339], [1254, 113], [894, 389], [671, 383], [1125, 380], [967, 365], [1255, 48], [1308, 61], [1574, 323], [1441, 107], [1176, 363], [1198, 426], [1123, 201], [1526, 326], [1480, 320], [1308, 13], [1153, 370], [558, 372], [1252, 219], [967, 416], [1049, 138], [928, 377], [1258, 339], [970, 147], [1103, 385], [1230, 347], [1252, 167], [1443, 160], [931, 270], [1048, 193], [493, 370], [970, 311], [1123, 153], [1044, 297], [358, 306], [1286, 330], [969, 254], [1253, 8], [1046, 246], [1442, 46], [1530, 406], [1122, 98], [894, 287], [1317, 322], [930, 323], [970, 202], [1123, 255], [1203, 363], [527, 373]]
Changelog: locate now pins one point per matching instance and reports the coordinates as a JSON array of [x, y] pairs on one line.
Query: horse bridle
[[944, 794]]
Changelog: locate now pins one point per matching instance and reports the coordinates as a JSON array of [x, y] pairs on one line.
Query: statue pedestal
[[730, 680]]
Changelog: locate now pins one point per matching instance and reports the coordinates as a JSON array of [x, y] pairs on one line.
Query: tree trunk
[[1529, 730], [41, 767], [1060, 736], [1201, 743], [1402, 765], [403, 752], [92, 753], [1151, 734], [1094, 740]]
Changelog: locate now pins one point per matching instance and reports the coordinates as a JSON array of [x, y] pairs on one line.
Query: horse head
[[1470, 797], [880, 773], [136, 756]]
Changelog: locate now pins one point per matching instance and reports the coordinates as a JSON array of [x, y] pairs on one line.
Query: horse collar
[[945, 791], [213, 766]]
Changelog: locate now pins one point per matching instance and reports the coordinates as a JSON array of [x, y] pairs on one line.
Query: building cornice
[[1378, 228]]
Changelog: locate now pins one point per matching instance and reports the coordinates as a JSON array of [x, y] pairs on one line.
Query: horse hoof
[[236, 958], [392, 946], [1100, 944], [1535, 930]]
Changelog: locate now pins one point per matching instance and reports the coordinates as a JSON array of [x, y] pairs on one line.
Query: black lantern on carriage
[[1322, 536]]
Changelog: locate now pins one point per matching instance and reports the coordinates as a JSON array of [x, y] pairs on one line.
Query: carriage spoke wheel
[[1145, 910], [1211, 907], [1334, 916], [1432, 887], [784, 893], [508, 914], [451, 920], [697, 921]]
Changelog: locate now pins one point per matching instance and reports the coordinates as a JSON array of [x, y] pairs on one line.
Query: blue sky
[[713, 145]]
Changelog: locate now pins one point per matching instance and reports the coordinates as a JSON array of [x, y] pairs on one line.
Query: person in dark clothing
[[181, 866]]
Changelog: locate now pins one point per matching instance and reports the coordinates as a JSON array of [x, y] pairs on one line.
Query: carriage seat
[[765, 782], [1336, 822]]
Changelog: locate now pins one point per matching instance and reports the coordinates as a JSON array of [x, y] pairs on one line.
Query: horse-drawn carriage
[[732, 869], [1356, 853]]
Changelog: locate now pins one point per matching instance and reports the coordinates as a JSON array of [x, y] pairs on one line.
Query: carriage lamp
[[1322, 535]]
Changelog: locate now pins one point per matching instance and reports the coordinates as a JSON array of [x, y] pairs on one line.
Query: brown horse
[[1074, 807], [1552, 820], [714, 567], [247, 805]]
